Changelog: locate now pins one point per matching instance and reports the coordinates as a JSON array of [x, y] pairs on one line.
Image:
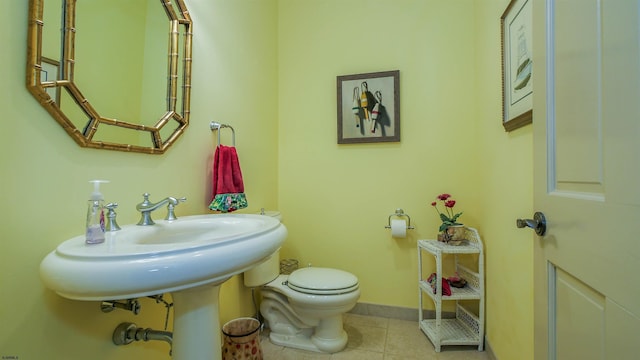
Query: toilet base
[[290, 329], [306, 321], [305, 341]]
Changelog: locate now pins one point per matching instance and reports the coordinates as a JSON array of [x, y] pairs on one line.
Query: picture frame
[[369, 107], [517, 65]]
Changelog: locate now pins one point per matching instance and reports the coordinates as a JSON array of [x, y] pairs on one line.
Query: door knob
[[539, 223]]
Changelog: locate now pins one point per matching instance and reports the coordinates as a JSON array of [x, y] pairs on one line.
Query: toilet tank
[[267, 270], [263, 273]]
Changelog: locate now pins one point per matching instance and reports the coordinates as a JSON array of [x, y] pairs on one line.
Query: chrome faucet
[[146, 207]]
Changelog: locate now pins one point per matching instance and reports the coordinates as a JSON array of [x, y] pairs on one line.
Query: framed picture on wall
[[369, 107], [517, 64]]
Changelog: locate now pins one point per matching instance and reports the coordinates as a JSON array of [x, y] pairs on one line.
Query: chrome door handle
[[539, 223]]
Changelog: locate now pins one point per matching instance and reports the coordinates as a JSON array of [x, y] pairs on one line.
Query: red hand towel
[[227, 176], [228, 186]]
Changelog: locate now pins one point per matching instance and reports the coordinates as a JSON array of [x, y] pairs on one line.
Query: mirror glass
[[115, 74]]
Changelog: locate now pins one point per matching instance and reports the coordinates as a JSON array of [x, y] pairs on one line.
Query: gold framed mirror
[[103, 72]]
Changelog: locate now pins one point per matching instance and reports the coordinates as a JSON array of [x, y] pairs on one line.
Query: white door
[[587, 179]]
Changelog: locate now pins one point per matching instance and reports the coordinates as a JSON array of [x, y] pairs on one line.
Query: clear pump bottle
[[95, 215]]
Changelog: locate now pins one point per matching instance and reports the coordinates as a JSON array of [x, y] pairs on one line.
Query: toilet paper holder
[[400, 213]]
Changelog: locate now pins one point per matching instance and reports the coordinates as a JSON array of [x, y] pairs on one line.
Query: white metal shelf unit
[[466, 328]]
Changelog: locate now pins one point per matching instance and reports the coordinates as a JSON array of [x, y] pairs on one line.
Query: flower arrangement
[[447, 216]]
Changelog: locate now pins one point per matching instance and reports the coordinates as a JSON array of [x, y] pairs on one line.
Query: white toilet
[[304, 309]]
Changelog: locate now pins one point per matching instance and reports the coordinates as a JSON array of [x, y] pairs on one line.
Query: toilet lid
[[322, 281]]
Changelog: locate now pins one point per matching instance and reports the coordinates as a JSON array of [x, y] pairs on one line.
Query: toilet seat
[[322, 281]]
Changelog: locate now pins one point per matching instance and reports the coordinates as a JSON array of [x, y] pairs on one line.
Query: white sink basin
[[189, 258], [166, 257]]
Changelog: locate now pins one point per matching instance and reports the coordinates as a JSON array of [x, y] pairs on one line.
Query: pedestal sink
[[189, 257]]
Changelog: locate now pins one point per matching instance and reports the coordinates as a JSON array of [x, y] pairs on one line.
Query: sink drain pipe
[[126, 333]]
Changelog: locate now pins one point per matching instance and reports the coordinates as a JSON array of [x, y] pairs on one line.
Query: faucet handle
[[171, 215], [112, 225], [111, 206]]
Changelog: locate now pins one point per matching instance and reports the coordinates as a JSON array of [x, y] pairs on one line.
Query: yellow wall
[[269, 68], [506, 189], [336, 199]]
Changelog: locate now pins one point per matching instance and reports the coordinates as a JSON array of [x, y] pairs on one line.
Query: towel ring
[[217, 126]]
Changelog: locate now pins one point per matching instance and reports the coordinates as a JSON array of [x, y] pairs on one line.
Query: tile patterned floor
[[377, 338]]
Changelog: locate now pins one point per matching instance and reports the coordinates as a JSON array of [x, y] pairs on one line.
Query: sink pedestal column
[[196, 324]]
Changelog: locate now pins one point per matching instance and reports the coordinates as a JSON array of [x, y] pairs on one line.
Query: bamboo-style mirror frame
[[178, 17]]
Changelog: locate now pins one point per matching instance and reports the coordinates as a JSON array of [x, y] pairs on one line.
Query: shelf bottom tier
[[452, 332]]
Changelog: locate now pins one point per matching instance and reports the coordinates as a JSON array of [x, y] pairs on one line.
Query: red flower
[[448, 217]]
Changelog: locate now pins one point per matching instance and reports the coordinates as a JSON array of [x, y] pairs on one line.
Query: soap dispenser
[[95, 215]]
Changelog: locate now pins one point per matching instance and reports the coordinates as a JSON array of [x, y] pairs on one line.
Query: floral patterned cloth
[[228, 202]]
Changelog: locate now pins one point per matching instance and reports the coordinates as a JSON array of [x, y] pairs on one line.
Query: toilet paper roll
[[399, 229]]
